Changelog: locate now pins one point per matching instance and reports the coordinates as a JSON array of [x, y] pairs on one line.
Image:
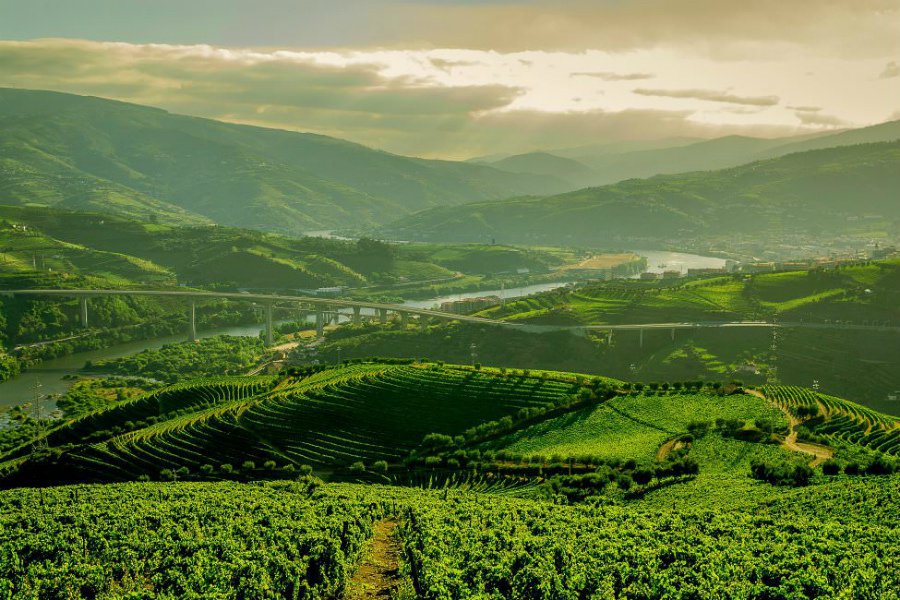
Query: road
[[333, 303]]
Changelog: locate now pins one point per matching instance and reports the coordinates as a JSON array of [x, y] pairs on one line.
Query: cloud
[[607, 76], [277, 89], [711, 96], [820, 120], [891, 70], [441, 103], [806, 108], [736, 27]]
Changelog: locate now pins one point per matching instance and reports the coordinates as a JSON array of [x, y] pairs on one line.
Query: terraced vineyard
[[840, 421], [363, 412]]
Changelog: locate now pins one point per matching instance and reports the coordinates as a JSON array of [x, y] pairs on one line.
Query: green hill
[[92, 154], [569, 170], [613, 162], [841, 190], [554, 483], [382, 411]]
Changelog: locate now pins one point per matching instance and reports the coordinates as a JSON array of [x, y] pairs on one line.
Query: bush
[[248, 465], [306, 470], [380, 466], [781, 474], [226, 468], [831, 467], [270, 465], [167, 475], [358, 467]]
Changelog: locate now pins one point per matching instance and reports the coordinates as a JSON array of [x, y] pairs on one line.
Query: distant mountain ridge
[[819, 192], [88, 153], [608, 163]]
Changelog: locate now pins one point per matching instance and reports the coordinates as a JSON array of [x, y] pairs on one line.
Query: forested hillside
[[87, 153], [817, 193]]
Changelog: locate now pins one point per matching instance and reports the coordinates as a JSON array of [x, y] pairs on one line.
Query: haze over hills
[[88, 153], [611, 163], [822, 192]]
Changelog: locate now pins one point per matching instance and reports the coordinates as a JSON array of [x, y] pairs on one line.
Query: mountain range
[[819, 192], [87, 153], [602, 164]]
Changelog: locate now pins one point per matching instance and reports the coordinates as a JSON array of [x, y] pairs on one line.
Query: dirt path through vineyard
[[377, 575], [820, 453]]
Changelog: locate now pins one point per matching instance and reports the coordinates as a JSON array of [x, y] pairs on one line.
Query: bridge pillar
[[642, 337], [83, 304], [320, 324], [356, 317], [382, 315], [270, 337], [192, 326]]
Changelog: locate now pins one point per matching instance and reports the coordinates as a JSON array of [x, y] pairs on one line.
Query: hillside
[[611, 163], [87, 153], [373, 411], [569, 170], [143, 253], [200, 539], [834, 357], [818, 193], [531, 476]]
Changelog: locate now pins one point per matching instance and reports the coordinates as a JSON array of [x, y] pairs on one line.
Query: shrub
[[831, 467], [226, 468], [167, 475], [248, 465], [380, 466], [358, 467], [306, 470], [270, 465]]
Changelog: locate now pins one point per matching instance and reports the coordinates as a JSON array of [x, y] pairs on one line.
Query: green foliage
[[219, 355], [87, 154]]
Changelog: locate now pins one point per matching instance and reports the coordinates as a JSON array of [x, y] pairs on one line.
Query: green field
[[864, 293], [633, 426]]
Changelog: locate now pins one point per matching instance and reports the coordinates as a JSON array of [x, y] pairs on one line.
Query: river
[[52, 374]]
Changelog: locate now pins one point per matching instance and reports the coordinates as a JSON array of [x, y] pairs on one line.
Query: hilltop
[[99, 155], [330, 418], [836, 191]]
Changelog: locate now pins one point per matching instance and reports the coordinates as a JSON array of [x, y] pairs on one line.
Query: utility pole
[[37, 413]]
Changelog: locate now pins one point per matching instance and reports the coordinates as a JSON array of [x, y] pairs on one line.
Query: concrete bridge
[[328, 309]]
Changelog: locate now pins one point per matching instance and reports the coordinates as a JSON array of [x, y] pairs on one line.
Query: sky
[[462, 78]]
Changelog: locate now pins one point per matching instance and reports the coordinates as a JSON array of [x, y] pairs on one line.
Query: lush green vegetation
[[300, 540], [182, 541], [219, 355], [550, 485], [802, 194], [483, 547], [364, 412], [834, 358], [91, 154], [866, 293]]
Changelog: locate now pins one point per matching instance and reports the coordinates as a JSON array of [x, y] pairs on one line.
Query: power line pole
[[37, 413]]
